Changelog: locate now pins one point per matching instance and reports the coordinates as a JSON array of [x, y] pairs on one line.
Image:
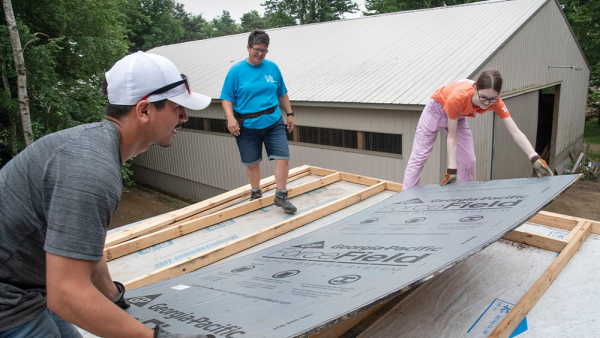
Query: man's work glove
[[540, 166], [120, 299], [450, 176], [160, 333]]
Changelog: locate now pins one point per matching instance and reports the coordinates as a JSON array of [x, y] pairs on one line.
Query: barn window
[[350, 139]]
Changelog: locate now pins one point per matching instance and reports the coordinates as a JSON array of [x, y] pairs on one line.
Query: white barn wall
[[372, 120], [212, 159], [510, 161], [481, 128], [546, 40]]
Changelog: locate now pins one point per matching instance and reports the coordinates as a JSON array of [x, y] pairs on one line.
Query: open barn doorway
[[545, 143]]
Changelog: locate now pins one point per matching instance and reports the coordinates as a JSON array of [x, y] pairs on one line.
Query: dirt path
[[139, 204], [581, 200]]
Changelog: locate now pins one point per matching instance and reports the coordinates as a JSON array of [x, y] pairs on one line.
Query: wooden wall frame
[[209, 212], [579, 228]]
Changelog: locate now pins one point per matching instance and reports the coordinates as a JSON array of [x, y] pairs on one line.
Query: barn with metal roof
[[358, 87]]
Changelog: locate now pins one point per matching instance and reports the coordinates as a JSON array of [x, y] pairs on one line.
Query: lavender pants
[[432, 120]]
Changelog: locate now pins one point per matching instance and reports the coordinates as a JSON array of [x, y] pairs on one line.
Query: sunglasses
[[171, 86]]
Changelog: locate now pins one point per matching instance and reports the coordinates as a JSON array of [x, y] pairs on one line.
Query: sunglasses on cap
[[170, 86]]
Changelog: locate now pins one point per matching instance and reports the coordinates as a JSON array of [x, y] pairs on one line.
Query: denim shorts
[[46, 325], [250, 143]]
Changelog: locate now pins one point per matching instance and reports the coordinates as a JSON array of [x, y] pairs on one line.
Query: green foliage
[[126, 174], [152, 23], [584, 18], [67, 44], [591, 132], [224, 25], [252, 20], [194, 26], [289, 12], [388, 6]]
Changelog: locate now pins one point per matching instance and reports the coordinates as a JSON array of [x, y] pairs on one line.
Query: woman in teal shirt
[[251, 95]]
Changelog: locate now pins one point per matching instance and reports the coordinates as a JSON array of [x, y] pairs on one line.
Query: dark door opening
[[544, 127]]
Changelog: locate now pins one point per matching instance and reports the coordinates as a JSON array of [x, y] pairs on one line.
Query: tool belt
[[241, 117]]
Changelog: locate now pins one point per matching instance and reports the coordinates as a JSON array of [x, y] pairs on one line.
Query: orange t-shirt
[[456, 100]]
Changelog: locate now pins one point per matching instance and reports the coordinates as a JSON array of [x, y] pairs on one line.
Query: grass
[[591, 132]]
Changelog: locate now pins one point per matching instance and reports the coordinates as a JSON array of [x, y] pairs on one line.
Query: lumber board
[[555, 220], [359, 179], [340, 328], [183, 213], [245, 189], [393, 186], [574, 231], [183, 228], [321, 171], [238, 200], [201, 260], [537, 240], [596, 227], [518, 313], [242, 198]]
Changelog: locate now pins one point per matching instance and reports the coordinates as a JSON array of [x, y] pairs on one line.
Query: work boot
[[281, 200], [255, 194]]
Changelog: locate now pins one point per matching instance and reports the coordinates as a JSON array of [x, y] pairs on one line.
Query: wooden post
[[586, 147], [206, 124], [360, 137], [296, 134]]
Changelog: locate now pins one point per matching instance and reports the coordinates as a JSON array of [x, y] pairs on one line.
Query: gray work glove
[[450, 176], [160, 333], [120, 299], [540, 166]]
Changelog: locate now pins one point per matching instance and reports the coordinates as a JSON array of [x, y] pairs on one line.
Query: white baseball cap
[[145, 76]]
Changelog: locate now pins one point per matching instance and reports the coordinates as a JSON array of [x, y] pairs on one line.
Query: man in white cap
[[58, 195]]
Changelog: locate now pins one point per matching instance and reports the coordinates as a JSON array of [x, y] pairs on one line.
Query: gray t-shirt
[[56, 196]]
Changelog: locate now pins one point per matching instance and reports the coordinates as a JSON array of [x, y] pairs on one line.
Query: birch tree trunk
[[13, 126], [20, 67]]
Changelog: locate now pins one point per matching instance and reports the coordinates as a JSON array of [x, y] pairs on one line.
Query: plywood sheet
[[302, 286]]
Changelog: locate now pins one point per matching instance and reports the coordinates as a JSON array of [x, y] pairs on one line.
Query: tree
[[252, 20], [308, 11], [152, 23], [584, 18], [21, 74], [389, 6], [67, 47], [194, 26], [224, 25]]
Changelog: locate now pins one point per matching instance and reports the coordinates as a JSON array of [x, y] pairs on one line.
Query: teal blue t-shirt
[[253, 89]]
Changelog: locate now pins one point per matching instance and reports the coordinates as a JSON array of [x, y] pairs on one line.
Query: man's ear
[[141, 111]]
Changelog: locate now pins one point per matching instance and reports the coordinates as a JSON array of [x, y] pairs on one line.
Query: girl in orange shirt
[[448, 108]]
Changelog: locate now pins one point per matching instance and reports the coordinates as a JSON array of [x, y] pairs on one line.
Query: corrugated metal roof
[[397, 58]]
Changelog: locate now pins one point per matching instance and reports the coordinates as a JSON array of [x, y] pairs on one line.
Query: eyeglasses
[[487, 99], [258, 50], [171, 86]]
